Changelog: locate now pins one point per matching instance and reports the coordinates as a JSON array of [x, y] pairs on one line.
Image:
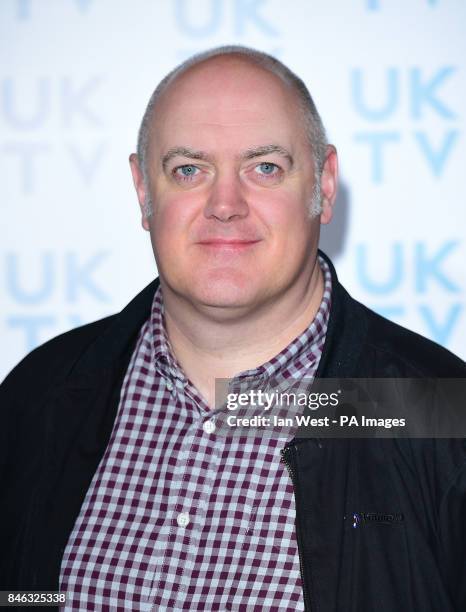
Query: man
[[117, 488]]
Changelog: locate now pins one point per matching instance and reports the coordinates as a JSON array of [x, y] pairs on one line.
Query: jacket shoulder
[[54, 359], [418, 356]]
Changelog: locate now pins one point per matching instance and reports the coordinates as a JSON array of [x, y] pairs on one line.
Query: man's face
[[231, 180]]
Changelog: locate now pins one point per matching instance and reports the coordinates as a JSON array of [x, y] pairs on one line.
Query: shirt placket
[[188, 510]]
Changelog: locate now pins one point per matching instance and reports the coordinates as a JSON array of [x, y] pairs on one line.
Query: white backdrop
[[388, 77]]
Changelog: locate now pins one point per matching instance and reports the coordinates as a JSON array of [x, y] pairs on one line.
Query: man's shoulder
[[106, 339], [366, 344], [391, 343], [52, 360]]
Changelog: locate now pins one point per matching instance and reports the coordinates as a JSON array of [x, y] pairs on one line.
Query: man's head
[[231, 158]]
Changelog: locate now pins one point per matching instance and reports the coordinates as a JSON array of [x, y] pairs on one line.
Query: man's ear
[[329, 184], [139, 185]]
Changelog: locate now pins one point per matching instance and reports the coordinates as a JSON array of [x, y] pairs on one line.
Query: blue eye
[[187, 170], [185, 173], [267, 168]]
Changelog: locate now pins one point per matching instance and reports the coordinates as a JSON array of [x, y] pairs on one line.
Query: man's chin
[[228, 298], [233, 292], [223, 296]]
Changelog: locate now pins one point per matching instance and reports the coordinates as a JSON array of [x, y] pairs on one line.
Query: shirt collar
[[162, 353]]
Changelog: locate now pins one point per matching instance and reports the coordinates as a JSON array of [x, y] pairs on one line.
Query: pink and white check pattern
[[179, 519]]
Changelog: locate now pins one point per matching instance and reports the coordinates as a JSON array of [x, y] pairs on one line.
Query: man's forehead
[[242, 136], [205, 123]]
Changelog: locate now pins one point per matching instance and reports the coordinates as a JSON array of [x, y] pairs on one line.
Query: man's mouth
[[228, 243]]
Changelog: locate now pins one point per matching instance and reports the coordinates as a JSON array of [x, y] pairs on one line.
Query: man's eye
[[186, 172], [266, 169]]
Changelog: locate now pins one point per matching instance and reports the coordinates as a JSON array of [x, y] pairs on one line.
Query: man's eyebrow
[[266, 150], [184, 152], [247, 154]]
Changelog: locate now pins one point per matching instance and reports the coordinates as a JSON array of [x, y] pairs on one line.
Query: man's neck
[[208, 349]]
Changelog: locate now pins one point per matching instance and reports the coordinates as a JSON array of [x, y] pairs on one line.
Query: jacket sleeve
[[452, 532]]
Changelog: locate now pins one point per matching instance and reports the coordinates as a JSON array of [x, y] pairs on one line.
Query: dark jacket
[[57, 409]]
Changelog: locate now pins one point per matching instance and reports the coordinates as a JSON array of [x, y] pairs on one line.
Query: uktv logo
[[65, 103], [69, 279], [416, 91], [419, 269]]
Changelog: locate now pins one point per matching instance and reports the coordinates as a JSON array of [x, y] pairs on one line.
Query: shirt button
[[169, 385], [182, 519], [208, 426]]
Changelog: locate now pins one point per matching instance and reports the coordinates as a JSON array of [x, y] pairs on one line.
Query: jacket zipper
[[307, 600]]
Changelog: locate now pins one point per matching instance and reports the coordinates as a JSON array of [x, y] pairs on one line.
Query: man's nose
[[226, 200]]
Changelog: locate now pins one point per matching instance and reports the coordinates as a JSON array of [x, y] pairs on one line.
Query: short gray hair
[[314, 127]]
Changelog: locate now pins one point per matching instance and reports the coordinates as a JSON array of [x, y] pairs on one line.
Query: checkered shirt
[[177, 518]]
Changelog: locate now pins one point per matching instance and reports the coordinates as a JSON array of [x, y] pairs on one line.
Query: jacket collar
[[346, 332], [113, 348]]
